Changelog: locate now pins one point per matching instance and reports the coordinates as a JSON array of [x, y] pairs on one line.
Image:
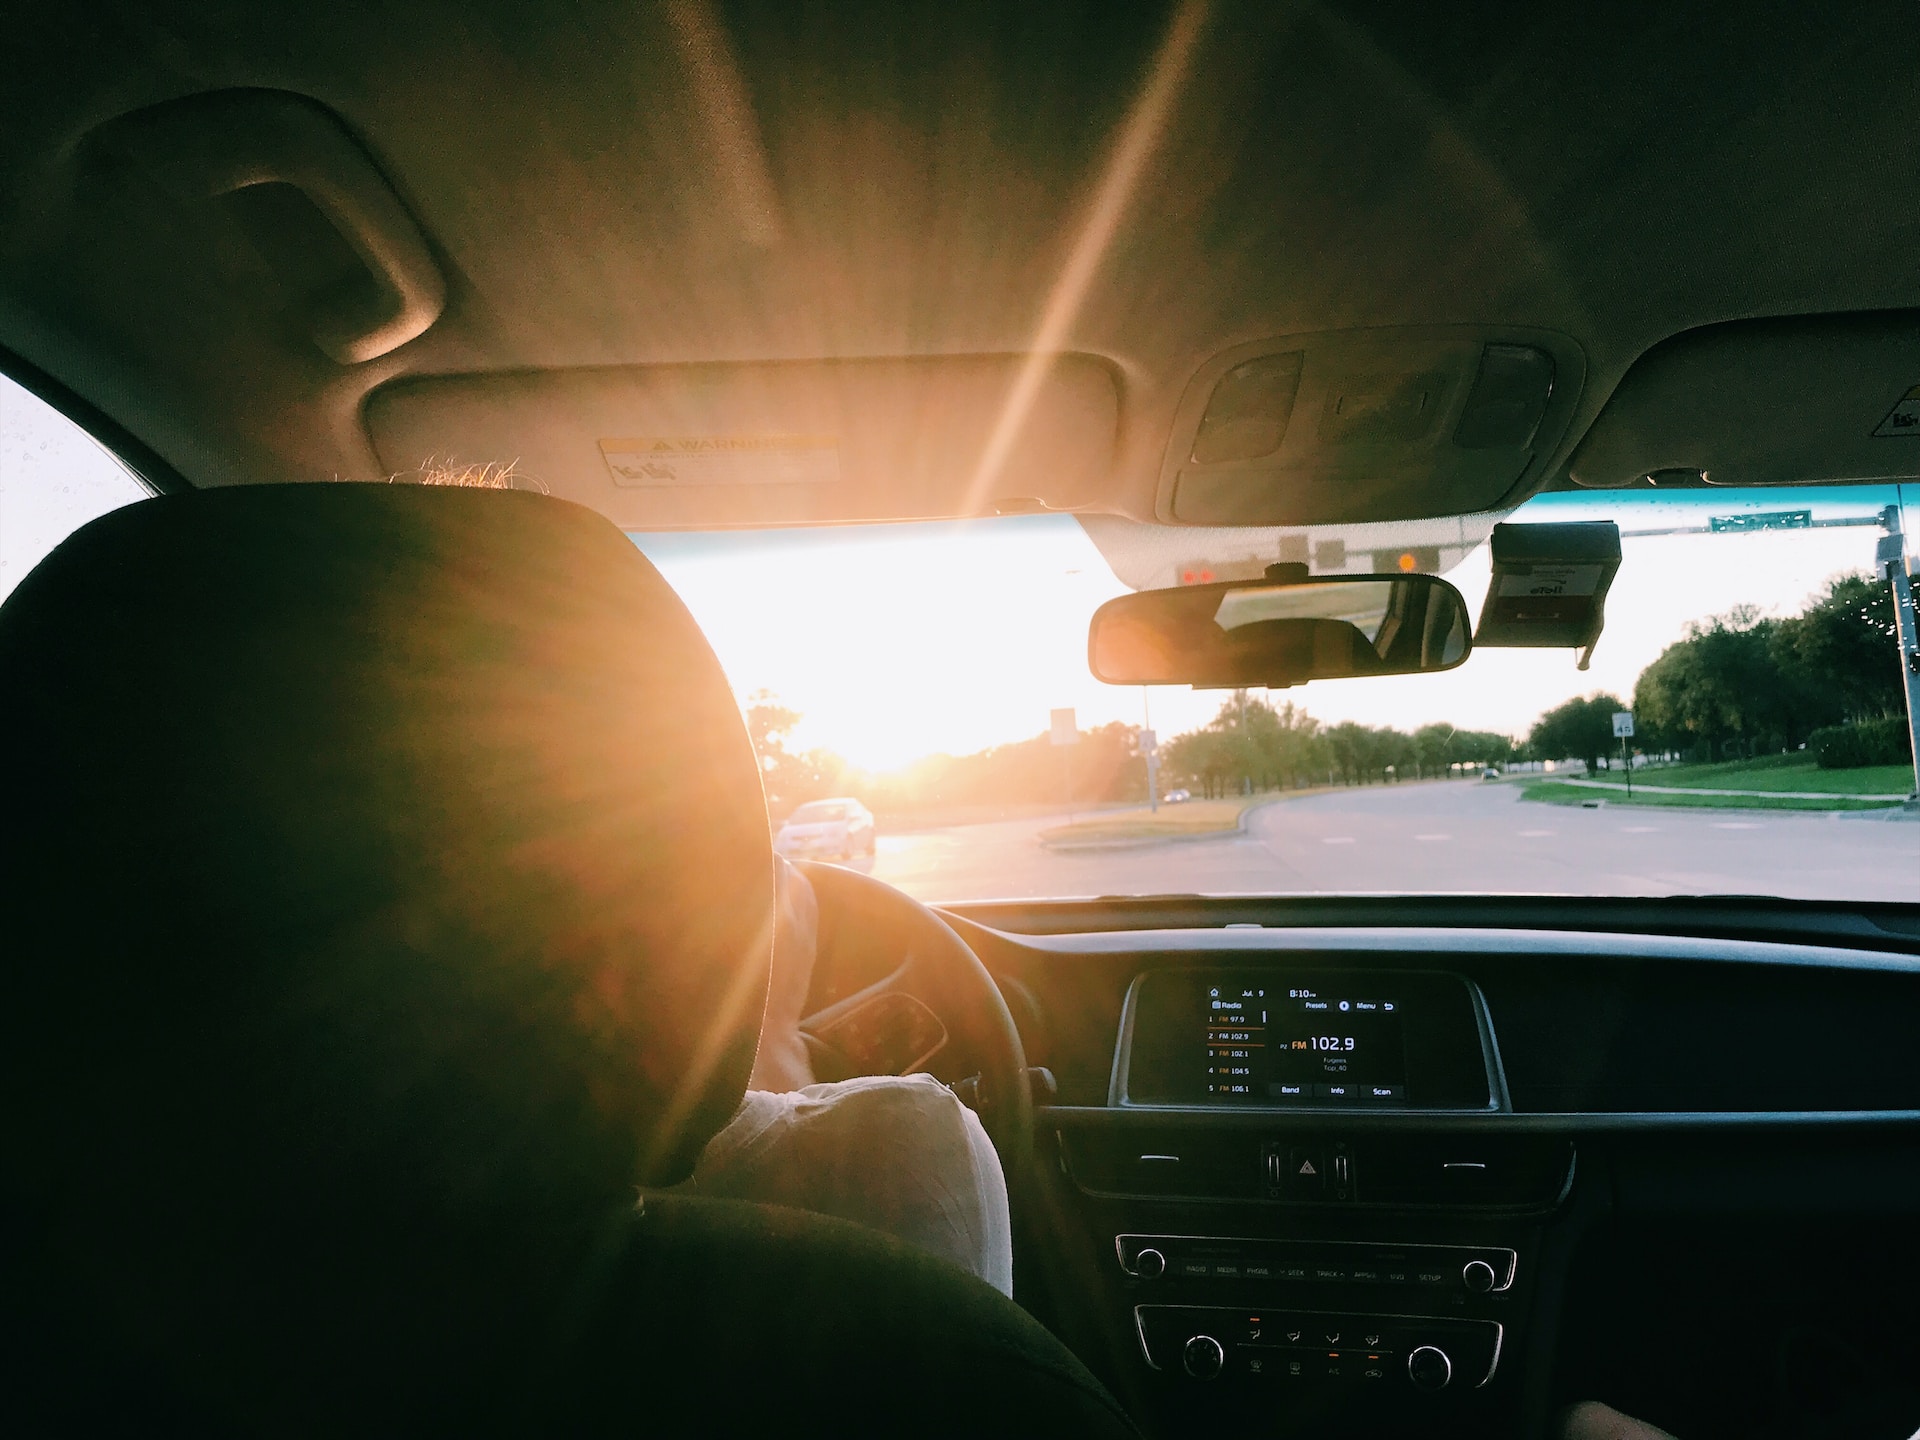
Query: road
[[1455, 836]]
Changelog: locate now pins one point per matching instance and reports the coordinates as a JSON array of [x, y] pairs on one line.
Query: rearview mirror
[[1279, 633]]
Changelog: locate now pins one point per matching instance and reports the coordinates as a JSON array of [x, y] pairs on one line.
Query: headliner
[[618, 184]]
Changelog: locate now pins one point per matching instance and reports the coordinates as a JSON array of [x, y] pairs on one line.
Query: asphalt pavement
[[1457, 836]]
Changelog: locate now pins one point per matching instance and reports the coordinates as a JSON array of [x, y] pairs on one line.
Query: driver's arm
[[898, 1153], [781, 1062]]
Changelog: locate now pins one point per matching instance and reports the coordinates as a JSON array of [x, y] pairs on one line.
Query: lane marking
[[1639, 829], [1735, 825], [1433, 837], [1535, 834], [1336, 840]]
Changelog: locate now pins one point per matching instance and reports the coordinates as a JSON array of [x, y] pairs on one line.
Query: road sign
[[1764, 520], [1065, 730], [1622, 724], [1148, 740]]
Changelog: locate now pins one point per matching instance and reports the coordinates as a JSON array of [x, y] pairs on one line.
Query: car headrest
[[382, 868]]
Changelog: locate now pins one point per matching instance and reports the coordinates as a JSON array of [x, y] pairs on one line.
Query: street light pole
[[1153, 753], [1892, 556]]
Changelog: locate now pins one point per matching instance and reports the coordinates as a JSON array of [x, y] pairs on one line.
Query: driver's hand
[[781, 1062]]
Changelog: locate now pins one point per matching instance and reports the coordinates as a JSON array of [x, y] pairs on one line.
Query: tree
[[1844, 648], [789, 778], [1581, 729], [768, 722]]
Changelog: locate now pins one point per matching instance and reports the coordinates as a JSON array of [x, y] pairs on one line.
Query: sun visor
[[695, 446], [1366, 425], [1807, 401]]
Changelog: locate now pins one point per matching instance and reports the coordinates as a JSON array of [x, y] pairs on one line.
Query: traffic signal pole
[[1893, 560]]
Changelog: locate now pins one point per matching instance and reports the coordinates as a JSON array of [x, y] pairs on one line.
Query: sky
[[899, 641]]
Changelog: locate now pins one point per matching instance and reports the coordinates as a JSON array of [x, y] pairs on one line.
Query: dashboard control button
[[1149, 1264], [1204, 1357], [1429, 1277], [1306, 1171], [1478, 1276], [1429, 1368]]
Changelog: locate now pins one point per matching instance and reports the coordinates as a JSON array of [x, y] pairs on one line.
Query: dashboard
[[1390, 1178]]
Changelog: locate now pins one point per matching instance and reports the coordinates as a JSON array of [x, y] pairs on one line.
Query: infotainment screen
[[1300, 1043], [1292, 1036]]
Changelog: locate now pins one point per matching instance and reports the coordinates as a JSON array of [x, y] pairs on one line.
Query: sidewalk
[[1640, 789]]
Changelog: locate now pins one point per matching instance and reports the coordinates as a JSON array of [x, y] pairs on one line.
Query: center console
[[1288, 1219]]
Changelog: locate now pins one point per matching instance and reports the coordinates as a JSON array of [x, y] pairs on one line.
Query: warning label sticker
[[1904, 419], [649, 460]]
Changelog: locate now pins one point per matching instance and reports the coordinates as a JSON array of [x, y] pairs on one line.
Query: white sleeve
[[897, 1153]]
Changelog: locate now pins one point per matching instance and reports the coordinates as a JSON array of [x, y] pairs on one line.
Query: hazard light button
[[1306, 1174]]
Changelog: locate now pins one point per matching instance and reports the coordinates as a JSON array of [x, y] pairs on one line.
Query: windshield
[[937, 673]]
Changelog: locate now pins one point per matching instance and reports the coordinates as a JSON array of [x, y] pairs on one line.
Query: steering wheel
[[937, 1010]]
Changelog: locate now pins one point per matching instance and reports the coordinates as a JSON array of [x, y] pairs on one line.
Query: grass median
[[1188, 820]]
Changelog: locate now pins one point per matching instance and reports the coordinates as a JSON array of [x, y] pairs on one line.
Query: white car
[[840, 827], [1176, 797]]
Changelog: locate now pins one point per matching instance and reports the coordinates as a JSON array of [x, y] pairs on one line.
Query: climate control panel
[[1284, 1346]]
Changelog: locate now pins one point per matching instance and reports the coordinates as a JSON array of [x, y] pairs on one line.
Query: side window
[[54, 478]]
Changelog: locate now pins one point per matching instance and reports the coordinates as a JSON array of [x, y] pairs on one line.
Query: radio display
[[1313, 1037], [1294, 1043]]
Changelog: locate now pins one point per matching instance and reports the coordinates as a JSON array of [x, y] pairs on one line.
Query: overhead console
[[1375, 424]]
